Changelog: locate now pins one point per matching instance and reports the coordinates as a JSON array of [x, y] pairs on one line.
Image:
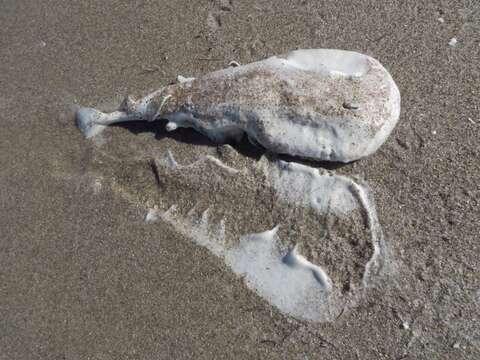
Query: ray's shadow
[[244, 146]]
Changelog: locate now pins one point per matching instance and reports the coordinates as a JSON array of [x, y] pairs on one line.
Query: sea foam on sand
[[281, 275]]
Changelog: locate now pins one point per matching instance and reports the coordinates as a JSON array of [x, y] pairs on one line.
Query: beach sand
[[83, 277]]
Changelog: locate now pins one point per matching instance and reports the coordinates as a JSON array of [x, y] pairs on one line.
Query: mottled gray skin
[[290, 105]]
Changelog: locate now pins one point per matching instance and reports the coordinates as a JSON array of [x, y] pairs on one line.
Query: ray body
[[329, 105]]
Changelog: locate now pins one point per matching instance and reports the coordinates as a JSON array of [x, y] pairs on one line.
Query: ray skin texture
[[319, 104]]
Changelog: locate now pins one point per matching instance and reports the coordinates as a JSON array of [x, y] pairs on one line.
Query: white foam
[[152, 215], [183, 79], [345, 194], [310, 187], [329, 61], [169, 162], [281, 275], [380, 257], [97, 186], [198, 230], [288, 281], [230, 170], [325, 192], [295, 260]]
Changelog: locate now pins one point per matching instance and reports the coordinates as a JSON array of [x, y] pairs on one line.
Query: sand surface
[[83, 277]]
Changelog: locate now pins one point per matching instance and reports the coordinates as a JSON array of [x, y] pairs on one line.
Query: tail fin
[[89, 121]]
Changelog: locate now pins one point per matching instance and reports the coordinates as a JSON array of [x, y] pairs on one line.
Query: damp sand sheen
[[327, 105]]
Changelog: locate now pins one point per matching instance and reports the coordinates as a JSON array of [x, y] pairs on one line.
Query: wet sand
[[82, 276]]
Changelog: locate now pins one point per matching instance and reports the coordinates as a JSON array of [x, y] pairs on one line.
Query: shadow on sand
[[244, 146]]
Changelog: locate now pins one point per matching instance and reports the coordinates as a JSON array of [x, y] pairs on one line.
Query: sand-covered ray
[[306, 240], [321, 104]]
